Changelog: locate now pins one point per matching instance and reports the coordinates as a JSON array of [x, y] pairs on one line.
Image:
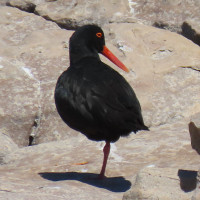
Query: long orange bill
[[108, 54]]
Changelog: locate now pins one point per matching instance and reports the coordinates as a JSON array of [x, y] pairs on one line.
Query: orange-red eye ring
[[99, 35]]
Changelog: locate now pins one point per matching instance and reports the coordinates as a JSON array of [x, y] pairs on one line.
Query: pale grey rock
[[196, 119], [23, 5], [164, 71], [162, 183], [171, 13], [3, 2], [70, 14], [163, 66], [51, 170], [33, 53], [7, 146], [31, 49], [27, 6], [177, 16]]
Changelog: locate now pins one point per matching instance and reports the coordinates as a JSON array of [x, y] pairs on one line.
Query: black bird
[[93, 98]]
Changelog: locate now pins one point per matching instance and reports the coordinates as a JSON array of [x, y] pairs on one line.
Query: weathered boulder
[[177, 16], [51, 170], [3, 2], [7, 146], [163, 183], [167, 63], [164, 74], [70, 14], [28, 6], [31, 49], [161, 73], [166, 14]]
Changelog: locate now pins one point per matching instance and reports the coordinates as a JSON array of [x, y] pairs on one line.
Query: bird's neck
[[78, 52]]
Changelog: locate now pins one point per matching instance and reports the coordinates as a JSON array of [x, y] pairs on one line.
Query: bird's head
[[89, 40]]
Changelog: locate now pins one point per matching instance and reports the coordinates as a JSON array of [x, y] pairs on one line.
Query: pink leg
[[106, 151]]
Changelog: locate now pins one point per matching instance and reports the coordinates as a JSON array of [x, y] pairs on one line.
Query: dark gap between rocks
[[27, 7], [185, 30], [172, 28], [34, 129], [68, 24], [161, 25], [31, 139], [190, 33], [192, 68]]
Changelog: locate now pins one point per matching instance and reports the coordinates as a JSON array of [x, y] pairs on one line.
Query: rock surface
[[173, 13], [178, 16], [50, 170], [164, 74], [177, 180], [7, 146], [3, 2], [33, 53], [70, 14], [150, 53]]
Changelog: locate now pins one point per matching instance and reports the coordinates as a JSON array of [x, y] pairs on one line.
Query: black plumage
[[93, 98]]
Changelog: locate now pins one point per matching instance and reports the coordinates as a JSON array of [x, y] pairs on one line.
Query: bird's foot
[[101, 177], [96, 178]]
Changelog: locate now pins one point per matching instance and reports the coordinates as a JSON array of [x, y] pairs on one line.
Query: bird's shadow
[[114, 184]]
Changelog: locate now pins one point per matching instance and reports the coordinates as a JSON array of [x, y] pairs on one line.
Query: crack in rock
[[5, 190], [190, 33], [24, 6], [36, 123], [191, 67], [34, 129]]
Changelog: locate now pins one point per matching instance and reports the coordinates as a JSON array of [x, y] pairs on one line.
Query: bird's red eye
[[99, 35]]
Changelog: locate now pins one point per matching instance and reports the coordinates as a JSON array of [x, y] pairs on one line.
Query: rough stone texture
[[33, 53], [172, 12], [7, 146], [169, 14], [37, 52], [162, 183], [3, 2], [177, 16], [70, 14], [49, 170], [167, 71], [27, 6]]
